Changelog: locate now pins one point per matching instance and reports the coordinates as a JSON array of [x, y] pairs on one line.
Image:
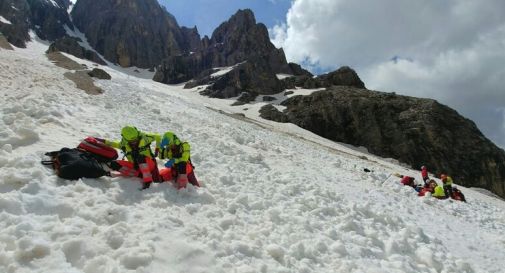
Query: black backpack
[[73, 164]]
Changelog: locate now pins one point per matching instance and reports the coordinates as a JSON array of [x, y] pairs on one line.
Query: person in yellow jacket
[[439, 192], [178, 157], [447, 180], [136, 147]]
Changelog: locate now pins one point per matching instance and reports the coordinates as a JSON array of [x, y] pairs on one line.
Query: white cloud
[[452, 50]]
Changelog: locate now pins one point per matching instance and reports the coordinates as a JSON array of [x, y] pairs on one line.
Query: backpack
[[458, 195], [73, 164], [99, 150]]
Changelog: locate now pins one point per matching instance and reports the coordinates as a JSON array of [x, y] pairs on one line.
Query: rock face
[[132, 32], [71, 46], [271, 113], [241, 42], [241, 39], [47, 18], [414, 131], [99, 74], [247, 77], [192, 42], [17, 13], [342, 76]]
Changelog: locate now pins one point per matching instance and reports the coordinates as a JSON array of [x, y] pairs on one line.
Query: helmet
[[130, 133], [169, 138]]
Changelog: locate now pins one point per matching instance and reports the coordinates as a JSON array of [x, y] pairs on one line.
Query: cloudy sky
[[452, 51]]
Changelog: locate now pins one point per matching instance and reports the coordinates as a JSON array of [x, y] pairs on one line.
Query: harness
[[135, 152], [176, 150]]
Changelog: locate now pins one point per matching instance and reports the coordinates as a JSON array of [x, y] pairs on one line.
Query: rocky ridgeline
[[343, 76], [239, 42], [412, 130]]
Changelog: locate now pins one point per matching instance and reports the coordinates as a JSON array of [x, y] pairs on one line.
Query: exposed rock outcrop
[[17, 13], [245, 77], [132, 32], [4, 43], [343, 76], [71, 46], [99, 74], [297, 70], [271, 113], [241, 41], [414, 131], [192, 42], [47, 18]]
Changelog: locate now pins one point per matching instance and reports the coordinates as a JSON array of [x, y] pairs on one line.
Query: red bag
[[101, 151]]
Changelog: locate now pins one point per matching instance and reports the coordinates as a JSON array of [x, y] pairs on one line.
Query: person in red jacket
[[408, 181], [424, 174]]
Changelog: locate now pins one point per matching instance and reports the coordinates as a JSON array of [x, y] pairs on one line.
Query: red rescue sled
[[102, 152]]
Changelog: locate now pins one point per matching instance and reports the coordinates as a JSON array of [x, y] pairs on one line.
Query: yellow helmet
[[130, 133]]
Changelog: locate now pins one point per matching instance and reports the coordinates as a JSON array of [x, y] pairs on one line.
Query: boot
[[182, 181], [192, 179], [145, 185]]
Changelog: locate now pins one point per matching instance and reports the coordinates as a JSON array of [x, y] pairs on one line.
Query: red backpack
[[102, 152]]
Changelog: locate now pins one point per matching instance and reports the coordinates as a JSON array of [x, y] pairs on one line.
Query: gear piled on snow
[[96, 157], [99, 150], [431, 186], [75, 163]]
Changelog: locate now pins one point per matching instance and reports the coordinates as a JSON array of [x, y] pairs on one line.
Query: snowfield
[[275, 198]]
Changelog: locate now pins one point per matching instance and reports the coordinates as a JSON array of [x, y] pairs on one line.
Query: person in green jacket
[[136, 147], [178, 157]]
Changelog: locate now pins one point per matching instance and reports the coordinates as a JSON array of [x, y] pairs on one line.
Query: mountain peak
[[132, 32]]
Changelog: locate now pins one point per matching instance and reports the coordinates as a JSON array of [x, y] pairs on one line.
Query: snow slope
[[275, 198]]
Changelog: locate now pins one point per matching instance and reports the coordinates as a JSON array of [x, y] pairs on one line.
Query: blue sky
[[207, 15]]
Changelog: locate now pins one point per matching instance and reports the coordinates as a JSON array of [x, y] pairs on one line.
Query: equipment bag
[[73, 164], [100, 151], [457, 195]]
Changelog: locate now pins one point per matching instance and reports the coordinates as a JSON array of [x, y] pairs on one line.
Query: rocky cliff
[[132, 32], [412, 130], [242, 41], [47, 18]]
